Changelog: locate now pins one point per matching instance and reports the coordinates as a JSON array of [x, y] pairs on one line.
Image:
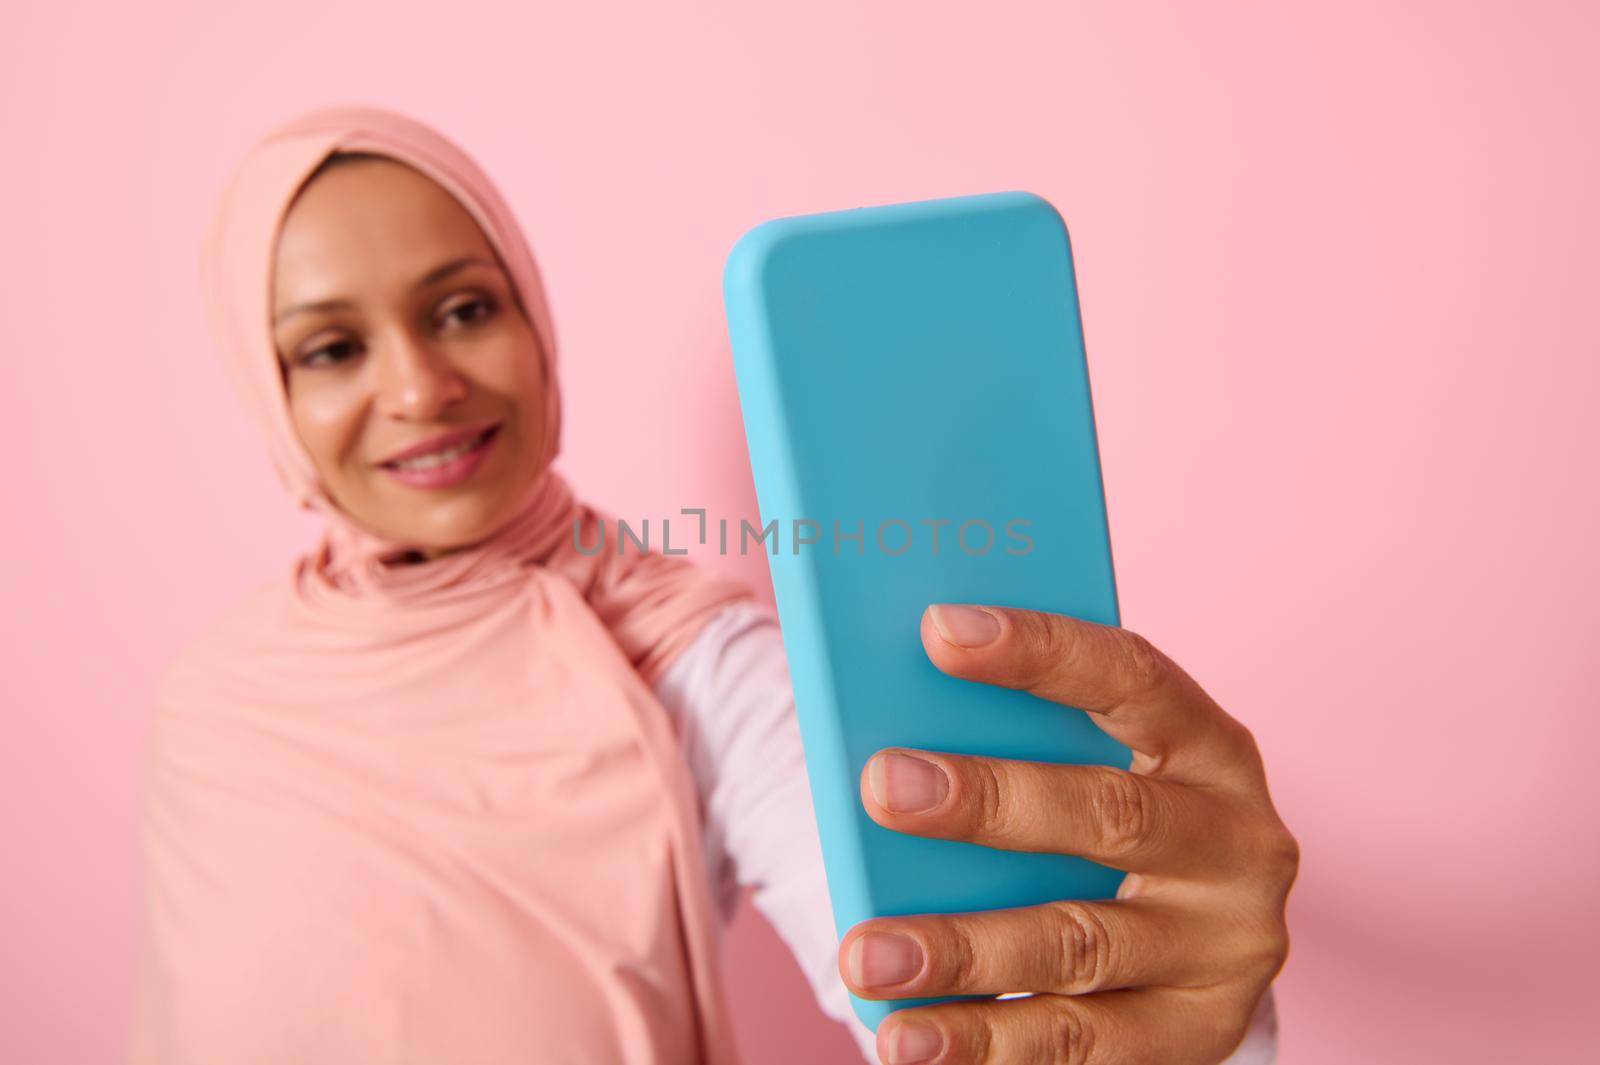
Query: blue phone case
[[900, 366]]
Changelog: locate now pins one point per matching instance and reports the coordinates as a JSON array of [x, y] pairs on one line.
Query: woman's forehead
[[371, 222]]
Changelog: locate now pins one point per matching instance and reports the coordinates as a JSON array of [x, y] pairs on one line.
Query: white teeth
[[434, 459]]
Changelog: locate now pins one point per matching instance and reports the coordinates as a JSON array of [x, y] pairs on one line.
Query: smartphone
[[916, 404]]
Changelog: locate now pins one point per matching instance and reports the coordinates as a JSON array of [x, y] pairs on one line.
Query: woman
[[455, 791]]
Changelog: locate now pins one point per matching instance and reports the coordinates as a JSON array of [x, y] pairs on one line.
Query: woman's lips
[[452, 462]]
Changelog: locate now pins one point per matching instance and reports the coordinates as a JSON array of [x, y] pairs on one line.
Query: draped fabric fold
[[422, 812]]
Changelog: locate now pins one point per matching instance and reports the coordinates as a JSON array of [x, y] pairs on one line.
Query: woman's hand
[[1172, 969]]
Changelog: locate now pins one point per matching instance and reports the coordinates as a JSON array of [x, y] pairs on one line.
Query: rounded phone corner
[[750, 255], [1049, 211]]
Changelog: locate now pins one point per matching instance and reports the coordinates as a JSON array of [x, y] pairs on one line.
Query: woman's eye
[[470, 311], [329, 354]]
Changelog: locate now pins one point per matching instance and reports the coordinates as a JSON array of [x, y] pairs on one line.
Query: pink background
[[1339, 274]]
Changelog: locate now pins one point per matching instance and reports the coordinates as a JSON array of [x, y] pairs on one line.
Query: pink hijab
[[422, 812]]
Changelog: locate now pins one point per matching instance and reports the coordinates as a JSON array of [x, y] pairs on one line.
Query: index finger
[[1131, 690]]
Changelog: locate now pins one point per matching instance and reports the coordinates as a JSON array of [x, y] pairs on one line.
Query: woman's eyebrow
[[437, 274]]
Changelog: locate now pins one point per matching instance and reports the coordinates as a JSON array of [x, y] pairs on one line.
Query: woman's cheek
[[513, 370], [517, 375], [327, 417]]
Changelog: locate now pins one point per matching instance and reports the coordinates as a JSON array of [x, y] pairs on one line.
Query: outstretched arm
[[731, 699]]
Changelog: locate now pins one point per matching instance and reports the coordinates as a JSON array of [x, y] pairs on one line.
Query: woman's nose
[[417, 381]]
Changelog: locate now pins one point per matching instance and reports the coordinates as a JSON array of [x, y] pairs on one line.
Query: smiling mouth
[[433, 460]]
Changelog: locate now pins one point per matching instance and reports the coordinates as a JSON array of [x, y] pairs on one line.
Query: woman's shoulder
[[731, 669], [743, 626]]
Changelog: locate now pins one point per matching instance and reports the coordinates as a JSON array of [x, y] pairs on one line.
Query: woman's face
[[414, 380]]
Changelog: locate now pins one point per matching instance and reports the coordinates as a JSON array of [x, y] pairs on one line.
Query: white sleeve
[[730, 698]]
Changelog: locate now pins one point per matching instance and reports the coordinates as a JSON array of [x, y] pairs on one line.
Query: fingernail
[[902, 784], [965, 626], [880, 959], [913, 1043]]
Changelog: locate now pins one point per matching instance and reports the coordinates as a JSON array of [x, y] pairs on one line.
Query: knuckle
[[1286, 857], [1070, 1038], [1265, 950], [1144, 667], [1245, 745], [957, 956], [1057, 637], [986, 805], [1124, 814], [1274, 946], [1280, 854], [1045, 640], [1247, 740], [1084, 949], [1277, 951], [974, 1039]]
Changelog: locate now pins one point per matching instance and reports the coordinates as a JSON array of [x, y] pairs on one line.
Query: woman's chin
[[445, 524]]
